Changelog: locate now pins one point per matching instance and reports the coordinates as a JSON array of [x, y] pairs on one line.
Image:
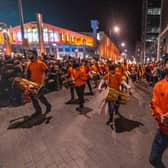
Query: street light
[[116, 29], [123, 44], [126, 50]]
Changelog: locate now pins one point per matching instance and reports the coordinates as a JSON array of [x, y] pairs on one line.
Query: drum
[[68, 83], [115, 95], [24, 84]]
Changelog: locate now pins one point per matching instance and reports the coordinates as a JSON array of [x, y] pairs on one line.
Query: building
[[61, 42], [150, 28], [164, 14], [106, 48], [138, 52], [162, 46]]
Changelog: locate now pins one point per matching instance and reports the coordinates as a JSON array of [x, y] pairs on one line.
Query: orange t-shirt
[[159, 103], [94, 68], [79, 76], [107, 68], [114, 81], [124, 67], [37, 69], [85, 69], [119, 70]]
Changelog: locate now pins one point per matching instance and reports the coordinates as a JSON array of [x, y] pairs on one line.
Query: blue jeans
[[159, 145], [112, 108]]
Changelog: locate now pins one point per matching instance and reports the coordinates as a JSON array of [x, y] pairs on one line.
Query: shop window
[[80, 49], [60, 49], [67, 49]]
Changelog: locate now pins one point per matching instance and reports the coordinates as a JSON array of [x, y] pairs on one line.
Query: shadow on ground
[[123, 124], [85, 112], [75, 101], [29, 121]]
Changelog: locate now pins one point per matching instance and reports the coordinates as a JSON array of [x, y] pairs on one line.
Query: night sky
[[76, 15]]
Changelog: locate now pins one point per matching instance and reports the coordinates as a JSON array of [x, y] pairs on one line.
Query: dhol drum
[[67, 81], [24, 84], [115, 95]]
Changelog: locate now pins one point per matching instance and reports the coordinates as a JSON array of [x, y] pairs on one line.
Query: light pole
[[21, 20], [39, 18], [6, 42], [5, 34]]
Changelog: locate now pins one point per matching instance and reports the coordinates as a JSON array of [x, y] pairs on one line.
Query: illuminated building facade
[[61, 41], [65, 42], [106, 48]]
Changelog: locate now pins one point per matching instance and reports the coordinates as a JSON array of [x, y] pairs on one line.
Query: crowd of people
[[75, 74], [60, 72]]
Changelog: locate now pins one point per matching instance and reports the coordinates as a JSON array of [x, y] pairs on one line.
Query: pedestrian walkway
[[65, 139]]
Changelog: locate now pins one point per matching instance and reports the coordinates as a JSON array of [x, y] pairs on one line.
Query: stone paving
[[65, 139]]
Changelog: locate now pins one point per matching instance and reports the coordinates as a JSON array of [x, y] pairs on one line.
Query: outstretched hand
[[164, 119]]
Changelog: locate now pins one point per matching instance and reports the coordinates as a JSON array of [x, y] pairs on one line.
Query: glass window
[[60, 49], [62, 37], [73, 49], [151, 29], [56, 37], [35, 34], [153, 11], [67, 37], [45, 35], [80, 49], [67, 49], [51, 36], [151, 38]]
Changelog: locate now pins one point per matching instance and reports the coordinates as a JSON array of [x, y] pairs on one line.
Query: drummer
[[36, 73], [114, 80]]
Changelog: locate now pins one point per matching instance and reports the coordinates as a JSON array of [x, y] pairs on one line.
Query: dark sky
[[76, 15]]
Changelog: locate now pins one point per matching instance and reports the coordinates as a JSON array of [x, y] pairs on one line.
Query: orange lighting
[[59, 35]]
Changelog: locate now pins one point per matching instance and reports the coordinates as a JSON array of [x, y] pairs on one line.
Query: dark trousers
[[80, 93], [89, 85], [36, 104], [155, 80], [159, 145], [15, 95], [72, 92], [112, 108]]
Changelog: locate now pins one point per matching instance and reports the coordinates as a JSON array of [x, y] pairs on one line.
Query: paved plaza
[[66, 139]]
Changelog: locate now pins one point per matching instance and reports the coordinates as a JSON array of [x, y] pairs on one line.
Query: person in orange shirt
[[85, 67], [36, 73], [119, 69], [72, 88], [95, 72], [79, 76], [113, 81], [159, 110]]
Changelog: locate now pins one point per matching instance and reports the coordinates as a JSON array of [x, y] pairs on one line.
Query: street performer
[[36, 73], [159, 110], [80, 77], [113, 81]]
